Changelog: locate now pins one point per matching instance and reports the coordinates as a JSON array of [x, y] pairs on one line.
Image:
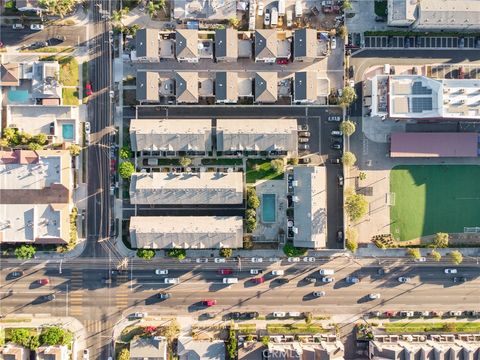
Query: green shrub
[[179, 254], [292, 251], [146, 254], [226, 252]]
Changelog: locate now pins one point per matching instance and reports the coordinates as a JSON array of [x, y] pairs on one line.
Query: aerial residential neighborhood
[[239, 179]]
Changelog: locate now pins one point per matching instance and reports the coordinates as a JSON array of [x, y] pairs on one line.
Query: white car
[[406, 313], [274, 259], [328, 279], [86, 354], [202, 260], [171, 281], [87, 127], [112, 94], [293, 259], [278, 272], [403, 279], [220, 260], [294, 314], [333, 43], [421, 259], [266, 18], [455, 313], [279, 314], [230, 280], [450, 271], [319, 293], [257, 260], [161, 272], [254, 271], [140, 315], [260, 8], [36, 27], [374, 296]]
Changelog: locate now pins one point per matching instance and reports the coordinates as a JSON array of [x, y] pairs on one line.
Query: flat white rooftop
[[44, 173], [186, 188]]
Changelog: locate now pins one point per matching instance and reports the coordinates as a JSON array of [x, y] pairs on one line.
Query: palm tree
[[154, 6]]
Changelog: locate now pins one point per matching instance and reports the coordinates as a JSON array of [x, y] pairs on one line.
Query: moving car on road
[[326, 271], [257, 260], [171, 280], [352, 279], [255, 271], [459, 279], [403, 279], [220, 260], [293, 259], [278, 272], [161, 272], [164, 295], [139, 315], [319, 293], [201, 261], [450, 271], [230, 280], [328, 279]]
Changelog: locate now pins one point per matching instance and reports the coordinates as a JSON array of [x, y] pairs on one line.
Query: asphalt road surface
[[74, 35]]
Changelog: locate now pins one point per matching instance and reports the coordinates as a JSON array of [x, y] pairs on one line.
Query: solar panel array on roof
[[419, 89], [421, 104]]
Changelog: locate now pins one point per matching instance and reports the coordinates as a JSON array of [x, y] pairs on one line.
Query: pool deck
[[269, 231]]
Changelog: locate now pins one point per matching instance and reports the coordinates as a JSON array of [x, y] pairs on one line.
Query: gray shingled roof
[[147, 43], [226, 43], [305, 86], [186, 87], [266, 43], [305, 43], [147, 86], [226, 86], [266, 87], [186, 43]]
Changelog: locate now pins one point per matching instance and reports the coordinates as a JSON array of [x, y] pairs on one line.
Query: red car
[[210, 302], [282, 61], [113, 165], [390, 313], [88, 89], [259, 280], [225, 271], [43, 281]]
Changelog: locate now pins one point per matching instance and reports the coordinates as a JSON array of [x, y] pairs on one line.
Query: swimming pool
[[268, 208], [67, 132], [18, 96]]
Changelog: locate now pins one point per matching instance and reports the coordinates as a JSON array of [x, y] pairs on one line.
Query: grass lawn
[[68, 71], [264, 171], [434, 198], [70, 96], [427, 327], [381, 7], [247, 328], [221, 161], [53, 49], [294, 329]]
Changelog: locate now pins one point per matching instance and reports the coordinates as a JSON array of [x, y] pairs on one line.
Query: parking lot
[[456, 71], [425, 42]]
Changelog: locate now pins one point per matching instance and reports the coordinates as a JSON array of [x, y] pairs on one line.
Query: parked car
[[309, 259], [282, 61], [403, 279], [304, 133], [86, 354], [326, 272], [421, 259], [140, 315], [380, 18], [260, 8], [294, 314], [374, 296], [209, 302], [311, 279], [459, 279], [36, 27], [302, 127], [281, 280], [266, 18], [88, 89], [450, 271], [38, 45], [18, 26], [305, 160], [56, 40], [340, 180], [333, 43], [279, 314], [334, 118], [250, 315], [171, 280], [230, 281], [336, 133], [225, 271], [255, 271], [164, 295], [201, 260], [335, 161], [43, 282], [258, 280], [87, 127], [278, 272], [455, 313], [256, 260], [303, 147], [161, 272], [328, 279], [303, 140], [233, 316], [406, 313], [318, 293], [293, 259], [219, 260], [352, 279]]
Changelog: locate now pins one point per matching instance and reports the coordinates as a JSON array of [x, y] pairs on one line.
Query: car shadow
[[309, 297], [34, 285]]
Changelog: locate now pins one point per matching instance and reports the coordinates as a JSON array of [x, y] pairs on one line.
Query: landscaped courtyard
[[433, 198]]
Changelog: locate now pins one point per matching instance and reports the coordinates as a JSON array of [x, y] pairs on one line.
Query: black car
[[336, 145], [250, 315], [234, 316], [38, 45], [281, 280], [48, 297], [334, 161], [15, 274], [56, 40]]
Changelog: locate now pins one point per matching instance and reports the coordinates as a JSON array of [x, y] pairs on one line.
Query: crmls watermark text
[[281, 354]]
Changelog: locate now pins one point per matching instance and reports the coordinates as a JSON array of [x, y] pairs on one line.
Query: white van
[[230, 280], [326, 271], [386, 69], [171, 281], [278, 272]]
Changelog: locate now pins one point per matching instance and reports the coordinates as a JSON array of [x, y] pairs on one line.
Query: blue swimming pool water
[[268, 208], [67, 131], [18, 96]]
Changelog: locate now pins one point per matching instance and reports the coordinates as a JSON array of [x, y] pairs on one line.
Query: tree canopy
[[356, 206], [347, 127], [25, 252], [349, 158], [126, 169], [348, 96]]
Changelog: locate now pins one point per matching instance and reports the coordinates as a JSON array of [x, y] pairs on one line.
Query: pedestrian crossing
[[76, 293], [122, 292], [98, 326]]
